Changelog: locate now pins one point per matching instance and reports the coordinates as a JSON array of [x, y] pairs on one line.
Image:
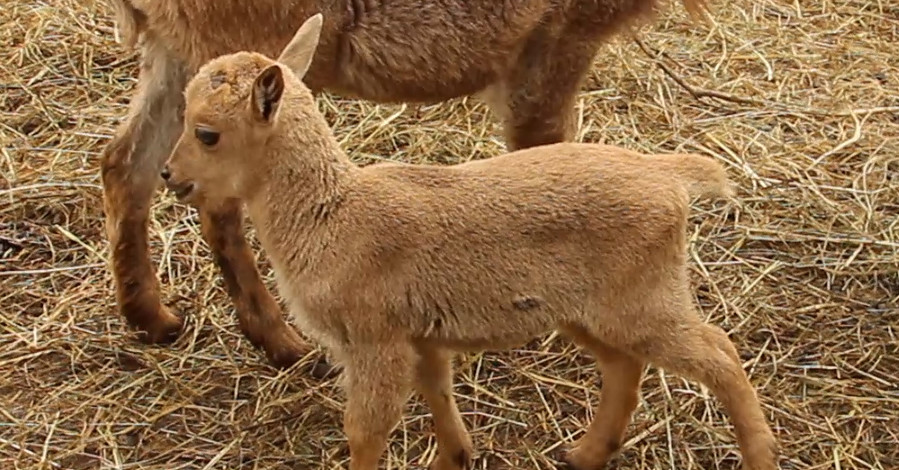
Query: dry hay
[[799, 98]]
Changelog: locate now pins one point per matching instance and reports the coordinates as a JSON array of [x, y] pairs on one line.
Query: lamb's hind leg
[[130, 172], [702, 352], [258, 313], [434, 380], [621, 374]]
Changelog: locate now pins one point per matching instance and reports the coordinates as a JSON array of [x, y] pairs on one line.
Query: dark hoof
[[564, 462], [165, 329], [284, 359], [283, 348], [321, 369]]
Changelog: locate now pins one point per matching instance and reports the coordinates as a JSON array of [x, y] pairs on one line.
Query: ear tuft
[[267, 91], [298, 54]]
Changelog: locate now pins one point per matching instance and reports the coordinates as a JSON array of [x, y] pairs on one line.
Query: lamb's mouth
[[182, 191]]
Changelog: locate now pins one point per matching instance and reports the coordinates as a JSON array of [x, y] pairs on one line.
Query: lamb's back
[[452, 250]]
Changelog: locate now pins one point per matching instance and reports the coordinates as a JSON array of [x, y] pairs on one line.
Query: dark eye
[[207, 136]]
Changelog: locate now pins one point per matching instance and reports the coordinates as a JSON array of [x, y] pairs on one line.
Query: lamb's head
[[232, 111]]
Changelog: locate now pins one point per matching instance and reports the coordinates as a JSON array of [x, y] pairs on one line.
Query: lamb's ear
[[298, 53], [267, 91]]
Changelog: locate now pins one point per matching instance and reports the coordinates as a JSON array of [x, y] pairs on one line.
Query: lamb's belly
[[476, 345], [490, 334]]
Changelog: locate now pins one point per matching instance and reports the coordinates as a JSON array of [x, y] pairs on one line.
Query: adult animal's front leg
[[130, 172], [258, 313]]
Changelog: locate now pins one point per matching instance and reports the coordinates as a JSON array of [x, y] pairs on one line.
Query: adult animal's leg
[[535, 101], [258, 314], [130, 172]]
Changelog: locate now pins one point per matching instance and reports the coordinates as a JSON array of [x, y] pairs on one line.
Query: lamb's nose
[[166, 174]]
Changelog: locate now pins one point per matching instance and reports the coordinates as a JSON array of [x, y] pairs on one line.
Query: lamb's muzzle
[[180, 188]]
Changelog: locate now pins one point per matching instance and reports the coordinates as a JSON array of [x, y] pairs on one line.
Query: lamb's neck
[[299, 193]]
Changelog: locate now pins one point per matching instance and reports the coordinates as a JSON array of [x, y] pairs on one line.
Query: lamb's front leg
[[378, 382], [258, 313]]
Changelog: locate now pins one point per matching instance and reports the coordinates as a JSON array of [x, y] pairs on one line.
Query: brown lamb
[[395, 267], [527, 58]]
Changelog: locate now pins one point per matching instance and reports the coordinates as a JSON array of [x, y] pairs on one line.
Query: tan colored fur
[[528, 57], [394, 267]]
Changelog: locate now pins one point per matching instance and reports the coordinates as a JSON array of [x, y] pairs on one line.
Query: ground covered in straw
[[799, 98]]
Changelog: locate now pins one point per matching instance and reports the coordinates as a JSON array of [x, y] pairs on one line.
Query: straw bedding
[[800, 99]]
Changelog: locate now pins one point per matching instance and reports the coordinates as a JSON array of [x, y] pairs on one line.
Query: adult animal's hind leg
[[536, 99], [542, 85], [621, 374], [258, 313], [130, 172]]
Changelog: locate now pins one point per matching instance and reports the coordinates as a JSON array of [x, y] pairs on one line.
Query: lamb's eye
[[207, 136]]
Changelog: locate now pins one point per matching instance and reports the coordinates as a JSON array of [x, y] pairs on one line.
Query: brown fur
[[526, 57], [394, 267]]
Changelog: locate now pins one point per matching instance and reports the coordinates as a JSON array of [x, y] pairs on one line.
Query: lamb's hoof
[[461, 460], [562, 463], [320, 369], [566, 464], [163, 328], [572, 460]]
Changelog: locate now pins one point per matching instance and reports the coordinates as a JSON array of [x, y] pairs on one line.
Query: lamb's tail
[[703, 177]]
